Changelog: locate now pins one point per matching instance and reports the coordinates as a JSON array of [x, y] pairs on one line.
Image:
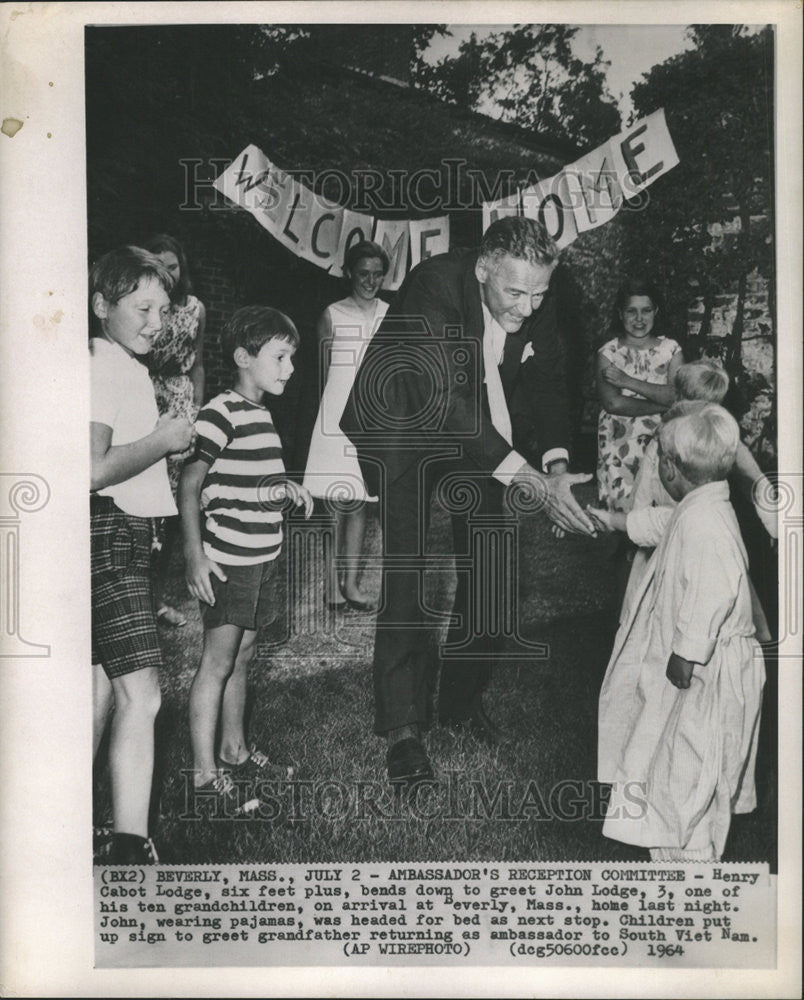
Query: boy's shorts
[[124, 633], [246, 599]]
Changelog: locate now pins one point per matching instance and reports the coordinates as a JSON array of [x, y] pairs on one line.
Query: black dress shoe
[[408, 763], [479, 726], [129, 849]]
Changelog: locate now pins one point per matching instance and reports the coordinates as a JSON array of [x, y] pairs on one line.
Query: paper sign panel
[[323, 234], [647, 152], [593, 183], [355, 227], [393, 235], [241, 180], [493, 210], [428, 237], [549, 203]]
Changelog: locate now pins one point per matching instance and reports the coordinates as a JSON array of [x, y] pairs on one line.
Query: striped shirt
[[242, 513]]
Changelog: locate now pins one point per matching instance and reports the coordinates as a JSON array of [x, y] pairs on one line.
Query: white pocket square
[[527, 353]]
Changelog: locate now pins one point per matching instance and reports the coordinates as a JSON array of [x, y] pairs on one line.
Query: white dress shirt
[[493, 348]]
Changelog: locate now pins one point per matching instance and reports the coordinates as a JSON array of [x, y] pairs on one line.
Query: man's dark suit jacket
[[417, 390]]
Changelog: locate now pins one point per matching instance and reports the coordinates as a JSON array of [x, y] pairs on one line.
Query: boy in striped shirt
[[231, 498]]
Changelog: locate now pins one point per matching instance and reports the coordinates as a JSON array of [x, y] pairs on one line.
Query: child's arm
[[711, 575], [613, 401], [324, 333], [656, 393], [300, 495], [111, 464], [198, 566], [754, 483], [646, 526], [679, 671], [607, 520], [196, 373]]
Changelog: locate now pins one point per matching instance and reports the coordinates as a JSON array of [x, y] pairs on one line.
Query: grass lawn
[[311, 704]]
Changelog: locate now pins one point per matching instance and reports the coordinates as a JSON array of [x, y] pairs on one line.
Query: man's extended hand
[[555, 493]]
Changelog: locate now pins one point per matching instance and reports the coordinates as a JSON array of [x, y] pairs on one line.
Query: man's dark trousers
[[405, 657]]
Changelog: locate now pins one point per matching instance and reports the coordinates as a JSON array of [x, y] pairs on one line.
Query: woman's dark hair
[[365, 248], [630, 287], [163, 243]]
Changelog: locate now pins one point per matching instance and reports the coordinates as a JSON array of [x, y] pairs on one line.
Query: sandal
[[258, 765], [171, 616]]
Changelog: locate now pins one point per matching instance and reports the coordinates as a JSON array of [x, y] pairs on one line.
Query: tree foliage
[[530, 76], [718, 100]]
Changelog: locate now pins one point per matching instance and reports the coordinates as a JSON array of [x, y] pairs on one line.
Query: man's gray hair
[[517, 236]]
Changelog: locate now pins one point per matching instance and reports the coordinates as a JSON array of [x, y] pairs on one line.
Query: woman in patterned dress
[[176, 363], [634, 385]]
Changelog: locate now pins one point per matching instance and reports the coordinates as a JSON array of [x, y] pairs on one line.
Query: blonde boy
[[680, 703]]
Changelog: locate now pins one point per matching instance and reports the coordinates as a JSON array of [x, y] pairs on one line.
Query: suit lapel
[[512, 357], [473, 310]]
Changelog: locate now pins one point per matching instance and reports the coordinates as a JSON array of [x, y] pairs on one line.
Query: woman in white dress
[[333, 473]]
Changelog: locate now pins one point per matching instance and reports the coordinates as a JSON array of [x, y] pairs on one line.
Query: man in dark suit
[[467, 335]]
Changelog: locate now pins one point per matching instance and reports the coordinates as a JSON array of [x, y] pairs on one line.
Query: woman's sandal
[[171, 616]]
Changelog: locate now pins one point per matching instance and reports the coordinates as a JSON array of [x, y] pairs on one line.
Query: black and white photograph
[[437, 385]]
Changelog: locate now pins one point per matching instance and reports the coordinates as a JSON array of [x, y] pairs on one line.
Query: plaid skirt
[[124, 633]]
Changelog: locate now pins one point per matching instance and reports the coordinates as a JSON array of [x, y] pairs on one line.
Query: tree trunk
[[734, 354]]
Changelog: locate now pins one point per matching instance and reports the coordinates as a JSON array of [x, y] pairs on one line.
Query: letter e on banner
[[493, 210], [355, 227], [549, 203], [647, 151], [594, 187], [428, 237], [393, 236]]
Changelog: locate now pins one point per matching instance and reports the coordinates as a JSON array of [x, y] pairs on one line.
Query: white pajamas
[[681, 761]]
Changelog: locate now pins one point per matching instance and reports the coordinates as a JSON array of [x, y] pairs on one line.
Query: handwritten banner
[[591, 191], [582, 196]]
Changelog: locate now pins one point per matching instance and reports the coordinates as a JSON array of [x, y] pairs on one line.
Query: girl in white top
[[333, 473]]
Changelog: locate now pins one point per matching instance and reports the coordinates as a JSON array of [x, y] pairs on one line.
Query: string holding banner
[[581, 196]]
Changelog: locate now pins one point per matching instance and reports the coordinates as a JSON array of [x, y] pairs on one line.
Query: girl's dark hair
[[632, 286], [365, 248], [164, 243]]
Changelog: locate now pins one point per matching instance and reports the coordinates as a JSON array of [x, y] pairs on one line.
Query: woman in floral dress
[[176, 363], [634, 384]]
